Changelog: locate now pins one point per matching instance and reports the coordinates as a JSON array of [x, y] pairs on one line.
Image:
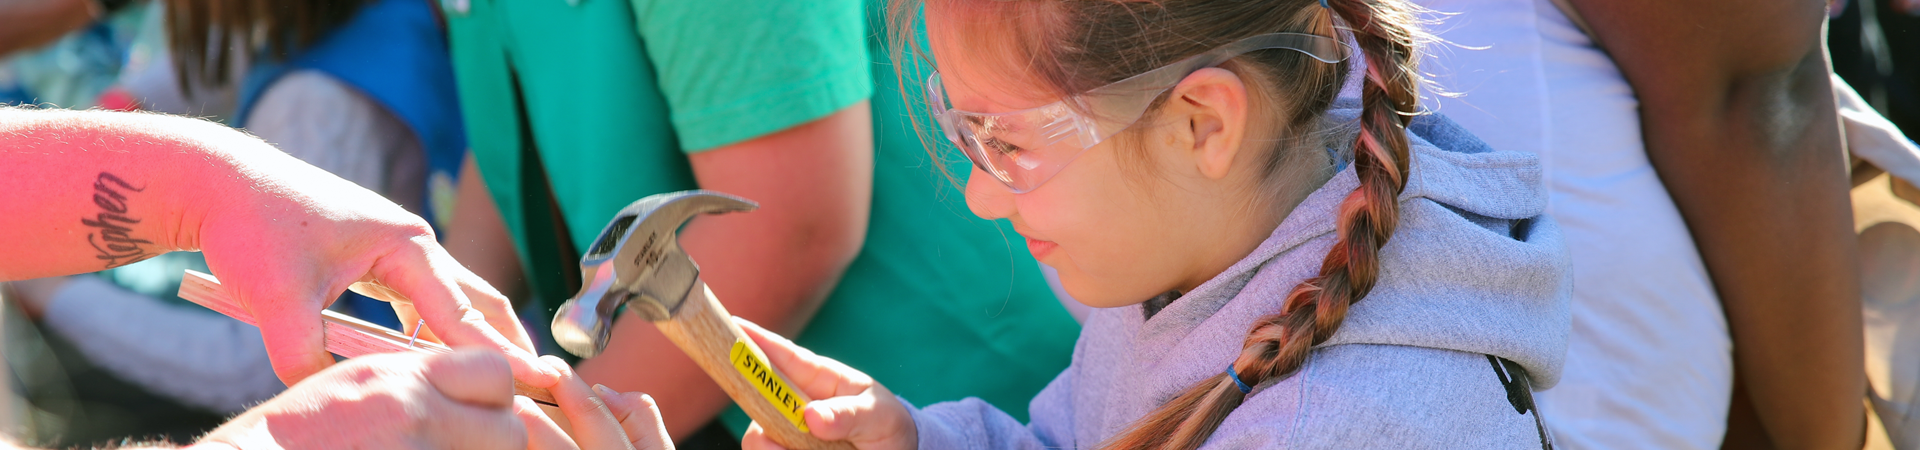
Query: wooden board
[[347, 336]]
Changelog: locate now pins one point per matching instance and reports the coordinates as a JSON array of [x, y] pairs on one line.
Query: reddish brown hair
[[204, 35], [1071, 46]]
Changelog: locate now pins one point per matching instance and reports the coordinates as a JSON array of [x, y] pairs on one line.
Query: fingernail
[[604, 391]]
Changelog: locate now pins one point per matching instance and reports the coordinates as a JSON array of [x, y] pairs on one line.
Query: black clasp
[[1520, 393]]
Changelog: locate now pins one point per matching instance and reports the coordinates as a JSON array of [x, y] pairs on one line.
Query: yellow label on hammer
[[760, 374]]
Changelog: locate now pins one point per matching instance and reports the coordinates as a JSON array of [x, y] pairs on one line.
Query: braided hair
[[1073, 46]]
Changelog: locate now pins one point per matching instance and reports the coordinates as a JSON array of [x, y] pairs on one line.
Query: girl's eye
[[1001, 146]]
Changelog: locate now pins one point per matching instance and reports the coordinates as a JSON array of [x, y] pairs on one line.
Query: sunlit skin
[[1121, 224], [286, 237]]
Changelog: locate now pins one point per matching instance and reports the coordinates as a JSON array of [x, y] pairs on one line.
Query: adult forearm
[[92, 190], [1762, 184]]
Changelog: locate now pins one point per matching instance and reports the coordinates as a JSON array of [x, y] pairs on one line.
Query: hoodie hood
[[1474, 266]]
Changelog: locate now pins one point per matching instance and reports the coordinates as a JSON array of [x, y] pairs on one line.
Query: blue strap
[[1244, 388], [1323, 4]]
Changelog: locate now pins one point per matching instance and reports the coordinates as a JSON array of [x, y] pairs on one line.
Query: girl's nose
[[987, 197]]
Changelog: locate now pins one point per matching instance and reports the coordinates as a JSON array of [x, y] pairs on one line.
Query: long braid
[[1279, 344]]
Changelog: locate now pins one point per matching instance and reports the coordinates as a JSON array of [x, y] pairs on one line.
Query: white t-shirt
[[1650, 364]]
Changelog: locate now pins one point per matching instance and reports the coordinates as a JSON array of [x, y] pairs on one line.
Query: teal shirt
[[601, 101]]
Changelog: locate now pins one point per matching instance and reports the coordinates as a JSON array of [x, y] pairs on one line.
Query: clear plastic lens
[[1025, 148]]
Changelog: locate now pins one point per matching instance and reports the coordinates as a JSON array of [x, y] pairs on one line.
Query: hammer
[[637, 262]]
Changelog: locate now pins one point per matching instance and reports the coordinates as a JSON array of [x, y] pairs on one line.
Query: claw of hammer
[[637, 257]]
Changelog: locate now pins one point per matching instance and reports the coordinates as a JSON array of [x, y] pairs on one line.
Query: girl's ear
[[1213, 102]]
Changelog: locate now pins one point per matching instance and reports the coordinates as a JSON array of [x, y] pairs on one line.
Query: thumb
[[294, 339], [854, 418], [756, 439], [471, 376]]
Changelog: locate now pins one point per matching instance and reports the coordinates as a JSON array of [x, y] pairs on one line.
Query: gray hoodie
[[1474, 269]]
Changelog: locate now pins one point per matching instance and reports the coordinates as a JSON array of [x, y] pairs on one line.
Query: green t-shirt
[[600, 101]]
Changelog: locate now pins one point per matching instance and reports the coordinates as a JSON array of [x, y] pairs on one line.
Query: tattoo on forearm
[[113, 235]]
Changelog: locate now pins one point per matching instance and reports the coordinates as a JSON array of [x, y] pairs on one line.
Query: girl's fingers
[[639, 416], [817, 376], [542, 433], [857, 418], [834, 419], [417, 274], [593, 425], [756, 439]]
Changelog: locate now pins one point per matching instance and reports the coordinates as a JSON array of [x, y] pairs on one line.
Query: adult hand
[[461, 400], [848, 406], [596, 418], [294, 237], [92, 190]]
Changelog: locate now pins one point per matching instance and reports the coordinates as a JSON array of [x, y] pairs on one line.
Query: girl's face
[[1138, 215]]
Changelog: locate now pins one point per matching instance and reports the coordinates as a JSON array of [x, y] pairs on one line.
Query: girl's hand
[[596, 418], [848, 405]]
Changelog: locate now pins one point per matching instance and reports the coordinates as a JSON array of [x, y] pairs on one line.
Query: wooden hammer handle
[[705, 331], [346, 336]]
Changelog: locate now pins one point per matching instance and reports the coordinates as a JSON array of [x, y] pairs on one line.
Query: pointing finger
[[443, 303]]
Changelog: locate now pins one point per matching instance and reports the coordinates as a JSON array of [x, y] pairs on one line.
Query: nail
[[604, 391], [416, 332]]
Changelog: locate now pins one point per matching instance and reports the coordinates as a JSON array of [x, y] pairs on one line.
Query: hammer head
[[636, 262]]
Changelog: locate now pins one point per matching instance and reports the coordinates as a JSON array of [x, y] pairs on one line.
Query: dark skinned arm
[[34, 23], [478, 236], [1739, 121]]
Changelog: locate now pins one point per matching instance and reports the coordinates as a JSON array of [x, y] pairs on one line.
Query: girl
[[1273, 266]]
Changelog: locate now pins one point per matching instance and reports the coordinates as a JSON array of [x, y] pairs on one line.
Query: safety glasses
[[1023, 149]]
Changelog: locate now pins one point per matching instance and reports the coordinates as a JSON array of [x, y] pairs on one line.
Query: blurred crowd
[[1738, 202]]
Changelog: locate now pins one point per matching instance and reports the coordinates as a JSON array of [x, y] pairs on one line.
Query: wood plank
[[347, 336]]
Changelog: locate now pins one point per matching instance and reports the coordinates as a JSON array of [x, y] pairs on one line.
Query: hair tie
[[1244, 388], [1323, 4]]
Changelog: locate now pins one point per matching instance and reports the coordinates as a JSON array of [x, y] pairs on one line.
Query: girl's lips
[[1040, 248]]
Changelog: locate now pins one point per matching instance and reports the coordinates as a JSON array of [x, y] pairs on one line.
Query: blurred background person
[[360, 88], [576, 109], [1737, 118], [1706, 242], [1875, 45], [66, 52], [1876, 49]]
